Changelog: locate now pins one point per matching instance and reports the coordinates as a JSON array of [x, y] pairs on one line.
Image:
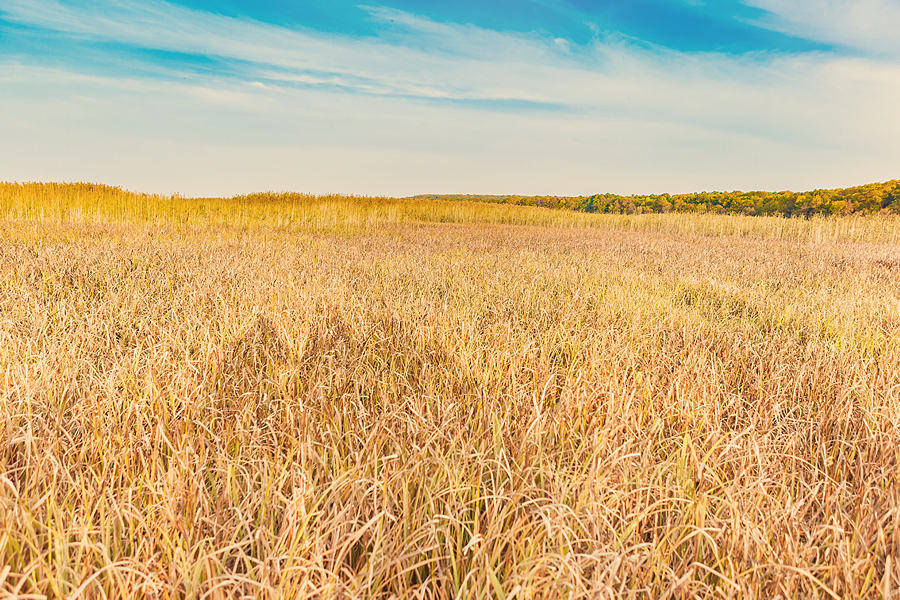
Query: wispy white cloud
[[421, 58], [404, 112], [867, 25]]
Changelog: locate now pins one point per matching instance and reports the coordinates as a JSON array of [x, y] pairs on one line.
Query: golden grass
[[99, 204], [377, 407]]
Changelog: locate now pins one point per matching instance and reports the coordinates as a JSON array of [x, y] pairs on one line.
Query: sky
[[405, 97]]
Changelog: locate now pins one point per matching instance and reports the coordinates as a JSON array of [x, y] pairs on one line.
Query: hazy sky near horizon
[[402, 97]]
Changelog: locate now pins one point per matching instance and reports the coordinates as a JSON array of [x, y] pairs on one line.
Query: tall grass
[[99, 204], [399, 409]]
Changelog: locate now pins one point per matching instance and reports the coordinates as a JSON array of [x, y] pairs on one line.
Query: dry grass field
[[296, 397]]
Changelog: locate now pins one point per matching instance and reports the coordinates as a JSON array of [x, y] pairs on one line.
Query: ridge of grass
[[93, 203]]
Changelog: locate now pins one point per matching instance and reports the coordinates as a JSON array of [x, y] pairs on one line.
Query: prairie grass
[[377, 404], [100, 204]]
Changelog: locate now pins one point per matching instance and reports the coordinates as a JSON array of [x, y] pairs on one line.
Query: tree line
[[873, 198]]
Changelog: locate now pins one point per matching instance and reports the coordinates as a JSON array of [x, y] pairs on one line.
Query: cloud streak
[[393, 67], [869, 26]]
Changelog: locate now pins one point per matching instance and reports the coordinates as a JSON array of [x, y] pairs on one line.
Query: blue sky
[[214, 97]]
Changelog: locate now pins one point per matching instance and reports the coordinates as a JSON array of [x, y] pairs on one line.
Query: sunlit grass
[[91, 203], [330, 398]]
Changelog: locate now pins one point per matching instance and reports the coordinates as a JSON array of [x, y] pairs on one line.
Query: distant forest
[[874, 198]]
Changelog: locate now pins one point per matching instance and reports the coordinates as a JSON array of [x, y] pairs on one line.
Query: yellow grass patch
[[373, 398]]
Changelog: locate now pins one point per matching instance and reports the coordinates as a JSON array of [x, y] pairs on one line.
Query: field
[[289, 396]]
